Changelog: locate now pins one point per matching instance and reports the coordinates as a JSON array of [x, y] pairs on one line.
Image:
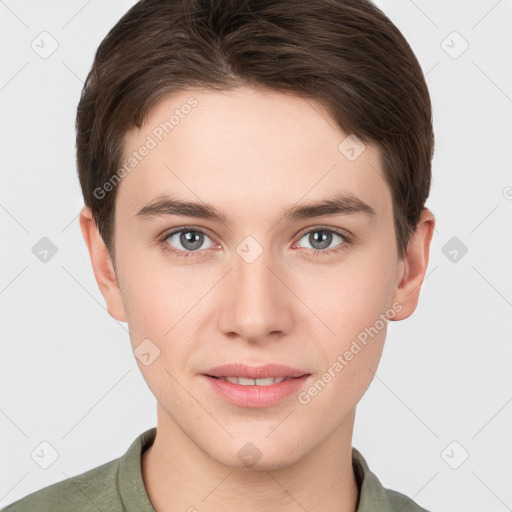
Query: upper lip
[[254, 372]]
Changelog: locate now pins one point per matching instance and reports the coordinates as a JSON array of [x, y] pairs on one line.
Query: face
[[255, 286]]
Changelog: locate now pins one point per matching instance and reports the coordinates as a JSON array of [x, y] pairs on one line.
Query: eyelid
[[340, 231]]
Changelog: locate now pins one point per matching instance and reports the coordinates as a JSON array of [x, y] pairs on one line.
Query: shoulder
[[373, 496], [105, 487], [93, 490], [401, 502]]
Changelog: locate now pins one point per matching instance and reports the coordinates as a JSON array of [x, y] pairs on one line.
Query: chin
[[254, 455]]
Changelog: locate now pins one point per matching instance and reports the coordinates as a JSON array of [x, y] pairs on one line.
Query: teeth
[[255, 382]]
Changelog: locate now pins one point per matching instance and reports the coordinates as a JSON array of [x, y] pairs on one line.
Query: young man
[[254, 176]]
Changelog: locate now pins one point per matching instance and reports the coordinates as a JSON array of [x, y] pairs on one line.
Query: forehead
[[246, 150]]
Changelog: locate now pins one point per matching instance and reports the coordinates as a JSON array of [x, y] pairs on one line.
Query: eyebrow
[[341, 204]]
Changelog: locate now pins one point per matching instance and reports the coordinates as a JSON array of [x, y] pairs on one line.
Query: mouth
[[244, 381], [255, 390], [245, 375]]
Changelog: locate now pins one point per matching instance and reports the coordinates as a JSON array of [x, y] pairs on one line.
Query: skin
[[253, 153]]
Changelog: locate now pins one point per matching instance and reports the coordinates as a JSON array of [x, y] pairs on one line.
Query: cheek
[[158, 307], [164, 305], [354, 295], [155, 294], [356, 308]]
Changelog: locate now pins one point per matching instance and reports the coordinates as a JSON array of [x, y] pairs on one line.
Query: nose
[[256, 302]]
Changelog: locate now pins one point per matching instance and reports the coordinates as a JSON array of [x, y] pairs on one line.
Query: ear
[[102, 266], [412, 269]]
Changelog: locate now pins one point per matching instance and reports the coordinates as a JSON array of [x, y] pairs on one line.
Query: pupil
[[325, 239], [191, 240]]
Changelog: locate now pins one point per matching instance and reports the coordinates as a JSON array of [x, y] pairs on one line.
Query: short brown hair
[[345, 54]]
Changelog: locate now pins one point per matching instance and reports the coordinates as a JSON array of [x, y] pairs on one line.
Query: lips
[[239, 370], [255, 391]]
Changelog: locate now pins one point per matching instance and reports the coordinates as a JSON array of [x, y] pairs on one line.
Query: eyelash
[[347, 240]]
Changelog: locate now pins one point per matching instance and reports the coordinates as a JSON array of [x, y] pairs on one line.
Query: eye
[[188, 242], [321, 238]]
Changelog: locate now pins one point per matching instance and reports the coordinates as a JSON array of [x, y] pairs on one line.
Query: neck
[[179, 475]]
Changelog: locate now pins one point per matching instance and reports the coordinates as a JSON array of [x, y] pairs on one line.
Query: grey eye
[[320, 238], [190, 239]]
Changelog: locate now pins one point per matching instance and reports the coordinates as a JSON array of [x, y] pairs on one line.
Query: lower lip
[[256, 396]]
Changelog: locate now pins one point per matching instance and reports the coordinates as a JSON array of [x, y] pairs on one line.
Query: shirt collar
[[129, 478], [372, 495]]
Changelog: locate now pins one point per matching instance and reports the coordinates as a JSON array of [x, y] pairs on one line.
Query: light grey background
[[67, 373]]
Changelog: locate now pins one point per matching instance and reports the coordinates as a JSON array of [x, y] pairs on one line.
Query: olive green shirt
[[117, 486]]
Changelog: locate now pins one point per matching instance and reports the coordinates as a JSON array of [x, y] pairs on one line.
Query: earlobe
[[102, 265], [411, 271]]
